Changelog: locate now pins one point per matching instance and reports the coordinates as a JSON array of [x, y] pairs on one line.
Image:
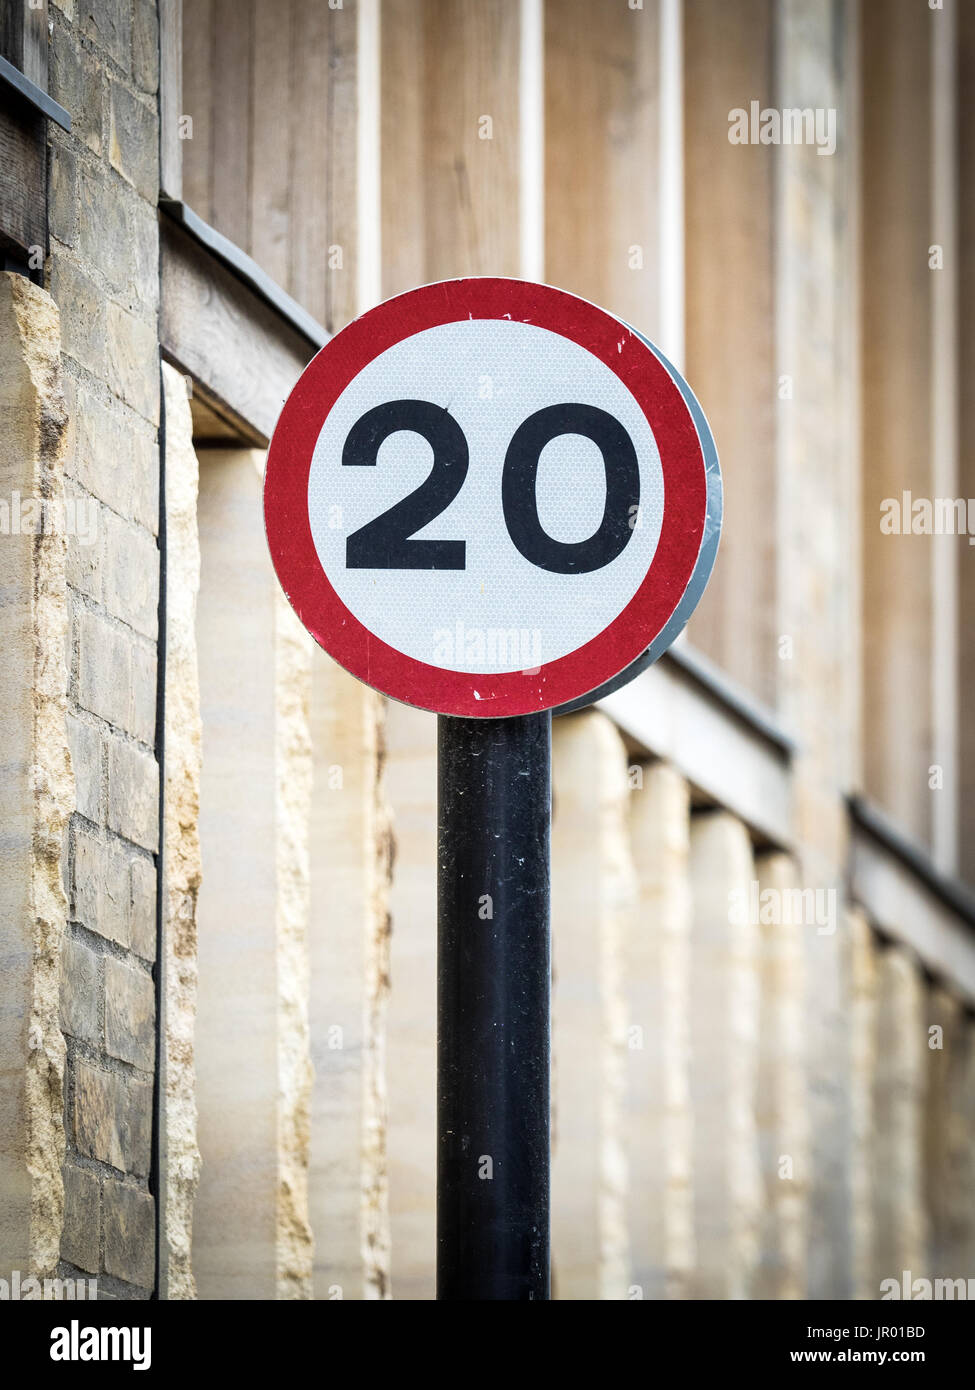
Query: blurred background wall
[[742, 1108]]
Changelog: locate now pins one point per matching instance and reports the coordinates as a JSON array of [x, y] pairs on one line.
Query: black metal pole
[[493, 1002]]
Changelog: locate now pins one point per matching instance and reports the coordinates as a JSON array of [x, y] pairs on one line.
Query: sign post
[[492, 500], [493, 985]]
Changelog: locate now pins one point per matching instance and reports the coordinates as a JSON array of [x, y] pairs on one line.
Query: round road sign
[[487, 497]]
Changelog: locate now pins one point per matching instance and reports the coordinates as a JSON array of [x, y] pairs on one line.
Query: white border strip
[[531, 141], [944, 434], [671, 190], [368, 156]]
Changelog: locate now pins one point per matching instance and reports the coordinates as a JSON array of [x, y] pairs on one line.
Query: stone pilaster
[[593, 897], [37, 794]]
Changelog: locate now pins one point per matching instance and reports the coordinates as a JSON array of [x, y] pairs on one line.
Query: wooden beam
[[196, 47], [23, 38], [170, 98], [730, 349], [277, 33], [450, 140], [231, 116], [728, 758], [897, 324], [237, 349], [602, 229], [907, 906], [23, 133], [214, 426], [271, 87], [23, 179]]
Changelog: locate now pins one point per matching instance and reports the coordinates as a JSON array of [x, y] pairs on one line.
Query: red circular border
[[360, 651]]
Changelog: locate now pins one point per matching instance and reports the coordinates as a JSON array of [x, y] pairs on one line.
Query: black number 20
[[386, 542]]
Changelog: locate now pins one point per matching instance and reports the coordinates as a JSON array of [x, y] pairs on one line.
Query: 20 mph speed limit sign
[[487, 498]]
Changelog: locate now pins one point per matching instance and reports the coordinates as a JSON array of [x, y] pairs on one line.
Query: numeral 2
[[387, 541]]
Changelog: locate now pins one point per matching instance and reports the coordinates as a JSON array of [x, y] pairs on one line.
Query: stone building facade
[[217, 855], [84, 339]]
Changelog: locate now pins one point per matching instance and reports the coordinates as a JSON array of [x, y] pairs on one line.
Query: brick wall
[[103, 274]]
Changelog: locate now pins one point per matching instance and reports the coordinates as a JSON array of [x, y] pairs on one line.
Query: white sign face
[[487, 497], [502, 611]]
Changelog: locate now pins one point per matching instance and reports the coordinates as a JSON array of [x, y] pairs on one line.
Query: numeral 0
[[387, 541]]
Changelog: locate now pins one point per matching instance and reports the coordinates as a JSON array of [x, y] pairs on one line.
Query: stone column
[[862, 954], [348, 948], [657, 985], [37, 793], [294, 1244], [948, 1164], [412, 1031], [813, 383], [724, 1057], [593, 896], [959, 1226], [180, 1156], [899, 1220], [251, 1236], [781, 1098]]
